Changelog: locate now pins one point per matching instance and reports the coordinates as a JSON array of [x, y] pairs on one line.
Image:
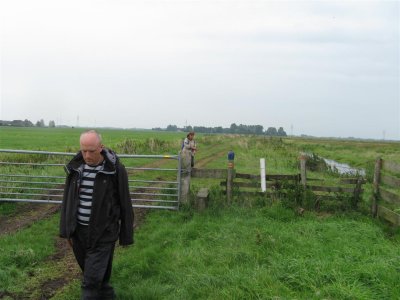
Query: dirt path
[[25, 215], [64, 259], [209, 158]]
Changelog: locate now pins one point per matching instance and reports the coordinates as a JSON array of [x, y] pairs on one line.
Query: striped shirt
[[86, 193]]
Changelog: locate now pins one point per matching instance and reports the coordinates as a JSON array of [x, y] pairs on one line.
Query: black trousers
[[95, 263]]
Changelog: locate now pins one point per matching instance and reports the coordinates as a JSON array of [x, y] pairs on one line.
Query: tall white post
[[262, 174]]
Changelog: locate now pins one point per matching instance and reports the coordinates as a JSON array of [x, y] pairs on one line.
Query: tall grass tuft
[[147, 146]]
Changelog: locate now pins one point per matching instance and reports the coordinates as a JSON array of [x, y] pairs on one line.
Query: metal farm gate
[[39, 177]]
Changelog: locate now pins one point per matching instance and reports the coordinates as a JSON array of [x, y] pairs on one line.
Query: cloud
[[268, 62]]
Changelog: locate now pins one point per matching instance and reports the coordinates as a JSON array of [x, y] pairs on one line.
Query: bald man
[[96, 211]]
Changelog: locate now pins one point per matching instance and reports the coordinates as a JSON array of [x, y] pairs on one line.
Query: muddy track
[[25, 215], [63, 259]]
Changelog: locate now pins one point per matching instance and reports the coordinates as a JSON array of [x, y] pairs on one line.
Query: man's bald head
[[91, 147]]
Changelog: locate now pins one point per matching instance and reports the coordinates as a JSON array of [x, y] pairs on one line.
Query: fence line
[[384, 201], [170, 191], [251, 183]]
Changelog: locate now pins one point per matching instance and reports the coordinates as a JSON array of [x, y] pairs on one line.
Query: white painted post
[[262, 174]]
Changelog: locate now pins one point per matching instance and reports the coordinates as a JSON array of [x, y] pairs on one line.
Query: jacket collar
[[110, 161]]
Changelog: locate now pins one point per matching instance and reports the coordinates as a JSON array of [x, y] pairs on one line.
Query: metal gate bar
[[32, 182], [30, 176], [30, 188], [32, 194], [166, 191]]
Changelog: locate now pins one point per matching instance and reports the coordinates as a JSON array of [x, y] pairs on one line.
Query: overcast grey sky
[[323, 68]]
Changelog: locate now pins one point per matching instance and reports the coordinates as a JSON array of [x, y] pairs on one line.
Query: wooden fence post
[[377, 179], [303, 172], [357, 192], [185, 176]]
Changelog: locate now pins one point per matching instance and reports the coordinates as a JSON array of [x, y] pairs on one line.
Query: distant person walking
[[96, 210], [189, 147]]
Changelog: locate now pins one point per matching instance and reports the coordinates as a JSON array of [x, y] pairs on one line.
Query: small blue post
[[231, 158]]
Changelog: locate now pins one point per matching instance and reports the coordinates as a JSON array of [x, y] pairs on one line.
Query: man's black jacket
[[112, 215]]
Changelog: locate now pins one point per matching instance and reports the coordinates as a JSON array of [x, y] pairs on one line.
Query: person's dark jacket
[[111, 215]]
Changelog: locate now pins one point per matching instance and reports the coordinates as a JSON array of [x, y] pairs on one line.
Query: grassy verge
[[264, 253], [23, 255]]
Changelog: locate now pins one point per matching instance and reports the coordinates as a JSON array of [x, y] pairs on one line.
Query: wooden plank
[[295, 177], [247, 176], [327, 197], [248, 193], [390, 180], [242, 184], [389, 196], [315, 179], [250, 184], [247, 184], [335, 189], [391, 166], [389, 215], [209, 173], [268, 176]]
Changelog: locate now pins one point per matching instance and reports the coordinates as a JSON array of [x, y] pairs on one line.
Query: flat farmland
[[247, 250]]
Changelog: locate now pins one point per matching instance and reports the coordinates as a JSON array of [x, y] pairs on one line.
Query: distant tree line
[[27, 123], [234, 128]]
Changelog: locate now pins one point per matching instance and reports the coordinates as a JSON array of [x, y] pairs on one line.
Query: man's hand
[[70, 242]]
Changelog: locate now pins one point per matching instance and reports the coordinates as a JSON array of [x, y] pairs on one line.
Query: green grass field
[[253, 249], [67, 139], [266, 253]]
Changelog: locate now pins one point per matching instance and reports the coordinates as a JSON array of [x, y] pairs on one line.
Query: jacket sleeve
[[63, 213], [127, 217], [186, 144]]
